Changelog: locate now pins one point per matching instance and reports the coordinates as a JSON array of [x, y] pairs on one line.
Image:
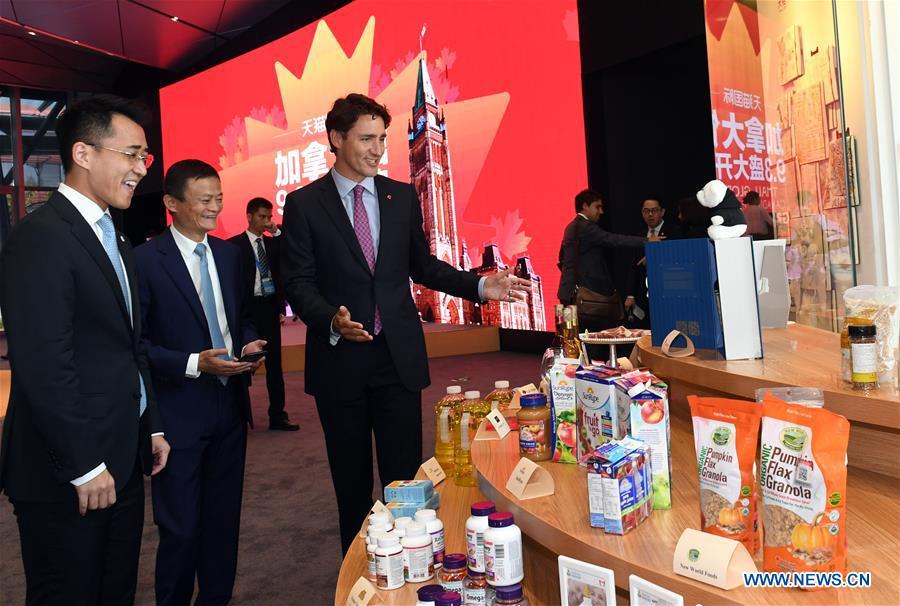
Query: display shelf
[[560, 523], [794, 356]]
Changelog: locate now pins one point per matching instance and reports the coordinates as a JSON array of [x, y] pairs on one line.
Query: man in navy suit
[[196, 324], [82, 423]]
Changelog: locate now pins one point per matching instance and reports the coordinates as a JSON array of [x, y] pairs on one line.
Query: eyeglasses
[[146, 158], [651, 211]]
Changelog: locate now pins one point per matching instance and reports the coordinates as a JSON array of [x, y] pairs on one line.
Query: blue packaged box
[[408, 491], [399, 510], [682, 282]]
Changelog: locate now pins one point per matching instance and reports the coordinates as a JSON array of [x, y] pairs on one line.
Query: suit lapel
[[386, 208], [173, 264], [331, 201], [227, 285], [86, 235]]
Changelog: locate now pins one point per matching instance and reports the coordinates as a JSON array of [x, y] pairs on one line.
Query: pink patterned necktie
[[364, 235]]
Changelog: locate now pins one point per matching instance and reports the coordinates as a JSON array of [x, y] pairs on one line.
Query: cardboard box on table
[[707, 290]]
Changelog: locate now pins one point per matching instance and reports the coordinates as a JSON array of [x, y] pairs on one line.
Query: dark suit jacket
[[323, 267], [638, 281], [582, 260], [175, 327], [75, 357], [248, 257]]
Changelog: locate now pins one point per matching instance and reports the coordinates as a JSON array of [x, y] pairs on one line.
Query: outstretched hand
[[347, 328], [503, 286]]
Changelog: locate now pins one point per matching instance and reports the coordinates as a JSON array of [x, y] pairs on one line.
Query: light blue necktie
[[112, 251], [209, 304]]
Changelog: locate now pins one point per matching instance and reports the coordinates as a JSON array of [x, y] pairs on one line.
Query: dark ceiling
[[85, 44]]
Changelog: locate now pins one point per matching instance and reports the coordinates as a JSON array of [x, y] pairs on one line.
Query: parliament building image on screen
[[487, 125]]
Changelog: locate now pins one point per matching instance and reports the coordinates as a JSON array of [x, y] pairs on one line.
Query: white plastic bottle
[[389, 563], [476, 524], [382, 517], [418, 554], [371, 546], [436, 529], [503, 550], [400, 525]]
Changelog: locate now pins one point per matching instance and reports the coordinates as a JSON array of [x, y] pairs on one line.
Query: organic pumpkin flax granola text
[[725, 435], [803, 478]]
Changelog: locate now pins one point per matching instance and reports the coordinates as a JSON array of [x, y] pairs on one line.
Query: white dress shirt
[[186, 247], [654, 231], [370, 201], [257, 281], [92, 214]]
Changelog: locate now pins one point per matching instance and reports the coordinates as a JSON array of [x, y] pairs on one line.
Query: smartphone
[[253, 356]]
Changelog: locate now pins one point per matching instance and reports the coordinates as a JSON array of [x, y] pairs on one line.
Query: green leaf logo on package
[[793, 438], [721, 436]]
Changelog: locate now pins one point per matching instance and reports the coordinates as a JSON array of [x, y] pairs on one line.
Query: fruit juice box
[[622, 468], [408, 491], [399, 510], [563, 406], [650, 423], [599, 418]]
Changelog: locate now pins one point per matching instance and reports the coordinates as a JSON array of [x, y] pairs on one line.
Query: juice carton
[[650, 423], [622, 468], [599, 419], [563, 409]]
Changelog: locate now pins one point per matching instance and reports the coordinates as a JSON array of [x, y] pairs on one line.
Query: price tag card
[[644, 593], [711, 559], [518, 392], [432, 470], [498, 421], [492, 428], [363, 593], [379, 507], [530, 481]]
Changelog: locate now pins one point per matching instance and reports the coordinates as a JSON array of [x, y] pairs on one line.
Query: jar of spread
[[535, 427]]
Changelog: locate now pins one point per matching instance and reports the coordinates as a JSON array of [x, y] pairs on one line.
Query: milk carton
[[563, 409], [600, 419]]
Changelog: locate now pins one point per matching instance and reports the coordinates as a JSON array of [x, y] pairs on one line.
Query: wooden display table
[[795, 356], [560, 523]]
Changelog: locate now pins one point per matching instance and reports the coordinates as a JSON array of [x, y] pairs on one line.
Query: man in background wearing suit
[[196, 321], [585, 279], [262, 263], [353, 239], [82, 421], [637, 304]]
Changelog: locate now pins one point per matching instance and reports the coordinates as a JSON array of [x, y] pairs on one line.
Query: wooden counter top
[[794, 356], [561, 524]]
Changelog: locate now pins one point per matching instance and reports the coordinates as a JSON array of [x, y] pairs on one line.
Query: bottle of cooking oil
[[447, 413], [471, 412], [500, 397]]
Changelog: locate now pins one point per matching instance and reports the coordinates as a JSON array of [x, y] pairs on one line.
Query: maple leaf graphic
[[511, 241]]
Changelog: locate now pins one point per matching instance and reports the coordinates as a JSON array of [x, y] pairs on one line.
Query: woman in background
[[759, 220]]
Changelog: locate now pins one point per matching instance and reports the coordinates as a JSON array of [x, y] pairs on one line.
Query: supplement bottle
[[500, 397], [476, 524], [400, 525], [471, 412], [446, 413], [418, 556], [448, 598], [435, 528], [389, 563], [453, 574], [511, 595], [863, 357], [382, 517], [371, 546], [503, 550], [476, 591], [426, 595], [535, 427]]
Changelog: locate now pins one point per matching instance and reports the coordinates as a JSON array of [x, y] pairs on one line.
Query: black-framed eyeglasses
[[651, 211], [146, 158]]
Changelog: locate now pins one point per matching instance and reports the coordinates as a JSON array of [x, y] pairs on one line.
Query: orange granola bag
[[725, 437], [803, 479]]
